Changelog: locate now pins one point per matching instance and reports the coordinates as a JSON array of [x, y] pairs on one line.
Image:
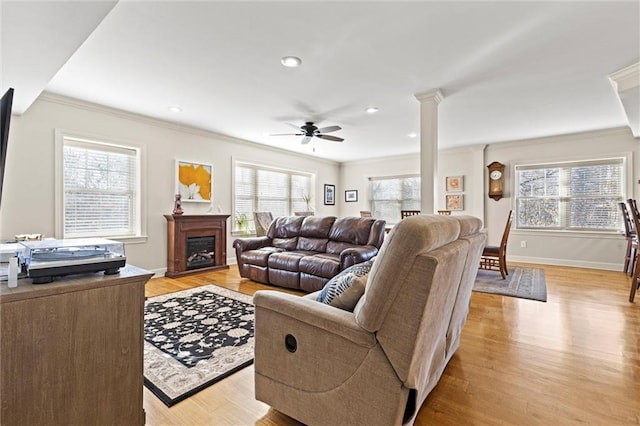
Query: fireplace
[[196, 243], [200, 252]]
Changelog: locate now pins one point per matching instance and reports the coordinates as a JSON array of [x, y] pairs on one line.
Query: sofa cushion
[[284, 232], [258, 257], [285, 243], [317, 226], [312, 244], [285, 227], [322, 265], [345, 289], [286, 260], [354, 230]]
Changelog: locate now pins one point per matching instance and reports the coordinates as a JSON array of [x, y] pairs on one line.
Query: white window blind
[[389, 195], [580, 196], [100, 189], [261, 188]]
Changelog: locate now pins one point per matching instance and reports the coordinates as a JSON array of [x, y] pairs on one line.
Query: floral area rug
[[525, 283], [194, 338]]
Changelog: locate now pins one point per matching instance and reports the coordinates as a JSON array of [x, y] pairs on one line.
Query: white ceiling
[[508, 71]]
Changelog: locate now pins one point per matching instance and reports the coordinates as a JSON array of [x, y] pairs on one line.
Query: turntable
[[46, 259]]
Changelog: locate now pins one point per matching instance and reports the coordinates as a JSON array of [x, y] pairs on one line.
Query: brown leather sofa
[[305, 252]]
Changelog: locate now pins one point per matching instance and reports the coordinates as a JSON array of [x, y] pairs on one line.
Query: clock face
[[495, 175]]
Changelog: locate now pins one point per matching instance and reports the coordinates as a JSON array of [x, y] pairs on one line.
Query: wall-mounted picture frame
[[455, 202], [329, 195], [351, 196], [193, 181], [455, 183]]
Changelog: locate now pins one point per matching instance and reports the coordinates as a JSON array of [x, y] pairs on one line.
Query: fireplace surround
[[196, 243]]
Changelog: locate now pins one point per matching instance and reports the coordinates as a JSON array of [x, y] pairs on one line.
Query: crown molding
[[430, 95], [626, 78]]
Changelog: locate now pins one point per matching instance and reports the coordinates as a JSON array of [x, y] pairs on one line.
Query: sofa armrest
[[354, 255], [315, 314], [251, 243]]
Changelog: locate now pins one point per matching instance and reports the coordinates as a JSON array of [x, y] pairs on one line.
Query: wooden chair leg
[[627, 257], [634, 287], [504, 264], [634, 258], [634, 281]]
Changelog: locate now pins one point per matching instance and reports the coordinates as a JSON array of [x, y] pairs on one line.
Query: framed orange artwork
[[193, 181]]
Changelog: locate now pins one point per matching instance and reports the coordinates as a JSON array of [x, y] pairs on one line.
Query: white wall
[[28, 193], [603, 251]]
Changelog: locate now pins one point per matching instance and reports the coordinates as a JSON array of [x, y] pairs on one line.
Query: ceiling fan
[[308, 130]]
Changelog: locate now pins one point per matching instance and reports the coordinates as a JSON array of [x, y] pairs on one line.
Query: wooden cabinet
[[183, 229], [71, 350]]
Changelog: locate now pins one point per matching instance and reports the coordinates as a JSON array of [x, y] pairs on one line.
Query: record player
[[46, 259]]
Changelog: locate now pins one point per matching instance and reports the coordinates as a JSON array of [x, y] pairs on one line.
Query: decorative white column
[[428, 148]]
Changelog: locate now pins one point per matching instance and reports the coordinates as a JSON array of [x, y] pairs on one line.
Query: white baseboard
[[567, 262]]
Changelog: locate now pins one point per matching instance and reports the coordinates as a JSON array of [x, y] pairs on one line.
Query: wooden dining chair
[[445, 212], [494, 258], [635, 278], [407, 213], [632, 239], [365, 213]]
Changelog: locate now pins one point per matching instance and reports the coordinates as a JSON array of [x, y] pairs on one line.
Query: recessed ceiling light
[[413, 135], [291, 61], [175, 108], [371, 110]]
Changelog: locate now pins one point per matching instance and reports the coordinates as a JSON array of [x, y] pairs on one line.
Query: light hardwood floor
[[574, 359]]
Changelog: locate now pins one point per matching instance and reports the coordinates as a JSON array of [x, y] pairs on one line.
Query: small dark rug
[[525, 283], [194, 338]]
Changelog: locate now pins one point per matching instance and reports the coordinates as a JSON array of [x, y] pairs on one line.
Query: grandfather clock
[[496, 180]]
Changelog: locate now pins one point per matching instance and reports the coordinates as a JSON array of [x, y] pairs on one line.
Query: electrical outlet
[[523, 244]]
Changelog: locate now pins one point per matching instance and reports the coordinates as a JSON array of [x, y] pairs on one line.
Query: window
[[98, 189], [262, 188], [389, 195], [580, 196]]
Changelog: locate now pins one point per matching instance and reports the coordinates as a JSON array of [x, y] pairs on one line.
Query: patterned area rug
[[194, 338], [525, 283]]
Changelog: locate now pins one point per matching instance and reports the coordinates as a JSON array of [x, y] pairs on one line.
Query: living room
[[30, 189]]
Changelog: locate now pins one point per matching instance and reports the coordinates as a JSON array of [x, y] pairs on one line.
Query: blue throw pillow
[[344, 290]]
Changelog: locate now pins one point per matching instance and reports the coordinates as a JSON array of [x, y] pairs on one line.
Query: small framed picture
[[193, 181], [455, 202], [329, 195], [455, 183], [351, 195]]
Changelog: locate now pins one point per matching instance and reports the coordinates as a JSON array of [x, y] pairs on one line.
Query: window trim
[[627, 183], [270, 167], [60, 135]]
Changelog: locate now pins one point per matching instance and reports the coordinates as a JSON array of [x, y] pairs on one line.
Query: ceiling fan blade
[[329, 129], [330, 138], [306, 140], [294, 126], [287, 134]]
